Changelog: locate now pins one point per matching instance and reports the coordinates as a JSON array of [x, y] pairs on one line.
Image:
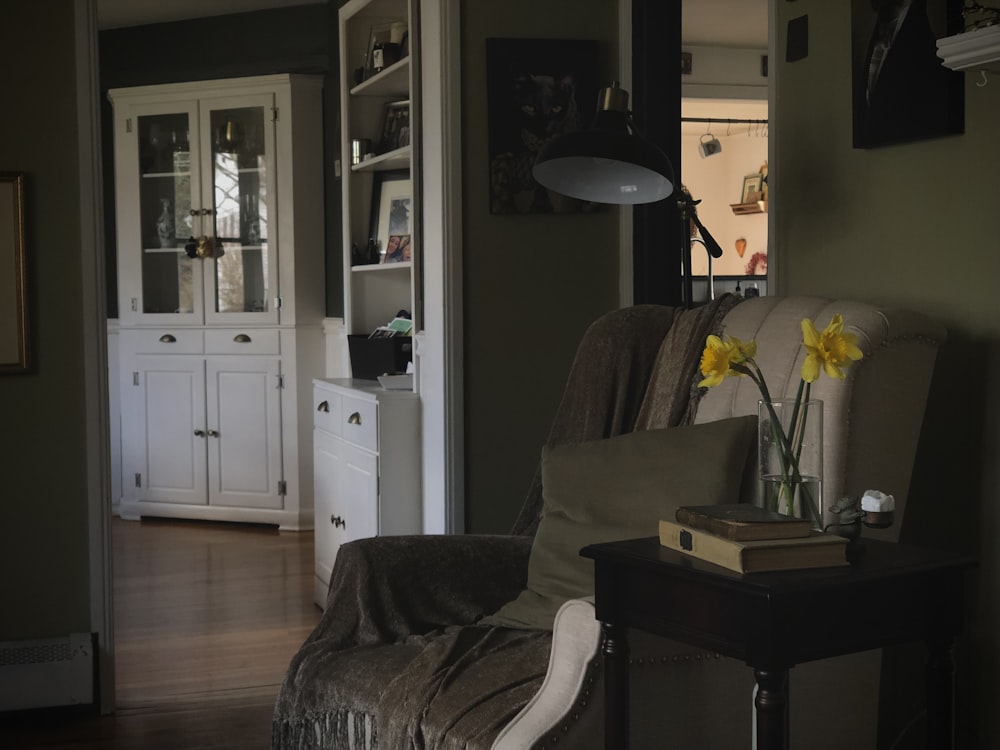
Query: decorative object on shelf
[[395, 127], [360, 147], [537, 90], [709, 147], [14, 341], [789, 434], [165, 223], [382, 50], [901, 91], [392, 197], [751, 188], [230, 136]]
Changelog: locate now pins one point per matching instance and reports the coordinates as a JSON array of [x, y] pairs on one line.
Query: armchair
[[444, 641]]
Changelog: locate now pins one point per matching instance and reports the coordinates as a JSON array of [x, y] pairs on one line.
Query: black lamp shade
[[609, 163]]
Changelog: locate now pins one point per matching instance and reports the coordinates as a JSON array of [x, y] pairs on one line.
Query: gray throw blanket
[[397, 662]]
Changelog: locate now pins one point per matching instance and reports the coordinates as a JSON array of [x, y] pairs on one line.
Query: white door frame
[[95, 355]]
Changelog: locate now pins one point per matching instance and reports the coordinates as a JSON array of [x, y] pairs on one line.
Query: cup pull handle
[[324, 406], [241, 338], [355, 418], [168, 338]]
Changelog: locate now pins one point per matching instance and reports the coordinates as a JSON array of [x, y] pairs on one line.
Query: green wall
[[911, 225], [532, 282], [44, 536]]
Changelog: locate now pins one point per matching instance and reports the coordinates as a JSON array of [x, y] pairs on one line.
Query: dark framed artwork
[[14, 342], [901, 90], [392, 215], [395, 127], [536, 89]]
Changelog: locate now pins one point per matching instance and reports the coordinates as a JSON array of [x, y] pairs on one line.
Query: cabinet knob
[[199, 433], [213, 433], [339, 522], [355, 418], [168, 338], [241, 338], [324, 406]]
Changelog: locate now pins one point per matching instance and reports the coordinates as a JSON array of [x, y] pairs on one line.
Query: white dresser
[[366, 461]]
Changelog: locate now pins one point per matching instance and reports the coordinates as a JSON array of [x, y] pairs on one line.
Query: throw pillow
[[620, 488]]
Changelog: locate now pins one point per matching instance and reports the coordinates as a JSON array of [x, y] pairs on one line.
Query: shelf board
[[396, 159], [382, 267], [748, 208], [392, 81]]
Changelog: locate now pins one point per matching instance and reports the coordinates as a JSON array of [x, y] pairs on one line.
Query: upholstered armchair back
[[872, 419]]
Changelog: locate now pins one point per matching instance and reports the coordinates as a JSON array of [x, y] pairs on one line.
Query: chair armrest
[[384, 589], [576, 642]]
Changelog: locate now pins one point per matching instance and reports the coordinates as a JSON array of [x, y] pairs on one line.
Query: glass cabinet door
[[242, 276], [166, 191]]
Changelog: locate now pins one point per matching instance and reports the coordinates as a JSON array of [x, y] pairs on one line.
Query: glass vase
[[791, 458]]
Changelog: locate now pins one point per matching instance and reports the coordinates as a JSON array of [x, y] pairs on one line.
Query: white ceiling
[[729, 23]]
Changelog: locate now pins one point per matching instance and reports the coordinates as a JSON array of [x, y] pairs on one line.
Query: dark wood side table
[[890, 594]]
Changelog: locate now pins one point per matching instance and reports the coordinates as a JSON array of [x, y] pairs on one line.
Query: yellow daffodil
[[715, 361], [724, 357], [742, 351], [833, 349]]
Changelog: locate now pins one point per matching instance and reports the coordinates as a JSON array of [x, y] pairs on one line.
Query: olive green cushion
[[620, 488]]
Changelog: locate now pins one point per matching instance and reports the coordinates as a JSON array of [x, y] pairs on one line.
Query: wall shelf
[[979, 48]]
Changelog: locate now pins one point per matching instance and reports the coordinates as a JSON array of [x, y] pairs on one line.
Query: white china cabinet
[[218, 194]]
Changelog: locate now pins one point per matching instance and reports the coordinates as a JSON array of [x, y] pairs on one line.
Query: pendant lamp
[[610, 162]]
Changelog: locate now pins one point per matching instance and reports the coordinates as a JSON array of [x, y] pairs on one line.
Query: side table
[[890, 594]]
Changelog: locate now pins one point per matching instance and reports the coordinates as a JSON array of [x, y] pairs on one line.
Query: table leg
[[940, 694], [772, 709], [615, 653]]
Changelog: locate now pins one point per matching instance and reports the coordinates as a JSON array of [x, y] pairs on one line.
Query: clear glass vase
[[791, 458]]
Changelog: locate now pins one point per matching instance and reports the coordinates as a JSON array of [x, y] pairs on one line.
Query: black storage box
[[373, 357]]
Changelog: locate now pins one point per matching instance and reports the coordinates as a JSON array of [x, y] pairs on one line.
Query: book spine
[[703, 545], [699, 521]]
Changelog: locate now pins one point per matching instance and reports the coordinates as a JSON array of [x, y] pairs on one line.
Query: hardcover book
[[818, 550], [743, 522]]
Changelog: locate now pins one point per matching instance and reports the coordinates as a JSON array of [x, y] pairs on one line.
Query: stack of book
[[748, 539]]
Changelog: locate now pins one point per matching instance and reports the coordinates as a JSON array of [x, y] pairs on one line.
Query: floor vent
[[48, 672]]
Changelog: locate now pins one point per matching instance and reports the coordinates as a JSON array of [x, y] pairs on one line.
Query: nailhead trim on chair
[[648, 661]]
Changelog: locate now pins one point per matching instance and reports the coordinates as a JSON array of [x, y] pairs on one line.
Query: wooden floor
[[207, 617]]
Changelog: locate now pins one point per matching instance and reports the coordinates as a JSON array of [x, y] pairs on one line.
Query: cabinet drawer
[[326, 411], [163, 341], [359, 422], [237, 341]]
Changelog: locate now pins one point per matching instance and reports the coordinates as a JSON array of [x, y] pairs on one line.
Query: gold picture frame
[[14, 341]]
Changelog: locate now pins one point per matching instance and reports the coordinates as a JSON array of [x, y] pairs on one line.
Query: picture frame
[[901, 92], [15, 347], [536, 90], [395, 127], [751, 186], [392, 216]]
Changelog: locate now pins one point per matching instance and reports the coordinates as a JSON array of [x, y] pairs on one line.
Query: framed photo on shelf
[[14, 342], [392, 217], [751, 187], [396, 128]]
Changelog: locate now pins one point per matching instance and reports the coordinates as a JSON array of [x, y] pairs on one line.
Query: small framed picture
[[392, 217], [751, 188], [14, 337], [396, 128]]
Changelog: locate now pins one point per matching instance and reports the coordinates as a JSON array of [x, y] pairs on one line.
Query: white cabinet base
[[366, 463]]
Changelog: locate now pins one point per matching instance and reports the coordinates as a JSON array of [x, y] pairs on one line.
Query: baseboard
[[47, 672]]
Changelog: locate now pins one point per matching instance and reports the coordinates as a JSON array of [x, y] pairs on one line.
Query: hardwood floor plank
[[207, 617]]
